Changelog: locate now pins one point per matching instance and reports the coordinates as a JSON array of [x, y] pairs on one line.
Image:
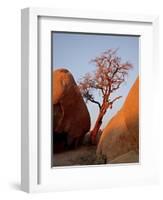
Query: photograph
[[94, 99]]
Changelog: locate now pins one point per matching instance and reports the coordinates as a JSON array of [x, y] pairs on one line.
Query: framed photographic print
[[88, 84]]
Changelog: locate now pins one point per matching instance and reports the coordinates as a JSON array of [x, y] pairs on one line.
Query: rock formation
[[120, 139], [71, 119]]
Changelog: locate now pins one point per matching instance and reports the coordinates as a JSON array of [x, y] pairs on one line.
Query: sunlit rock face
[[71, 119], [119, 141]]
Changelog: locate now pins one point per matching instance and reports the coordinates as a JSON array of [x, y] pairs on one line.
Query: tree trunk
[[97, 125]]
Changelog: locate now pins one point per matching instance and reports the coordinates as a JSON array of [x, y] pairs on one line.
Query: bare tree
[[110, 73]]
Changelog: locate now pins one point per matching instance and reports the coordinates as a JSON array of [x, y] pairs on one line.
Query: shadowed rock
[[121, 135], [71, 119]]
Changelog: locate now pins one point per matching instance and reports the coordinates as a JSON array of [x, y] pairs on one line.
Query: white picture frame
[[36, 171]]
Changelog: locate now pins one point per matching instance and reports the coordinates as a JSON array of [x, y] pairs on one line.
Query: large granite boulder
[[120, 138], [71, 119]]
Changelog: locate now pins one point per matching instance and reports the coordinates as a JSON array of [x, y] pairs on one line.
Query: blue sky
[[74, 51]]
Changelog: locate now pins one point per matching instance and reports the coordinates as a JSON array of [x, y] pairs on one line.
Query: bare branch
[[96, 102], [111, 102]]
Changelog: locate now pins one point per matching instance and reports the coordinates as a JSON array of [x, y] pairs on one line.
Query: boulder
[[71, 119], [121, 135], [129, 157]]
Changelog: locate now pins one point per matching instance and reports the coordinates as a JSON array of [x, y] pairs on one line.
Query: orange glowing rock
[[71, 119], [121, 135]]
